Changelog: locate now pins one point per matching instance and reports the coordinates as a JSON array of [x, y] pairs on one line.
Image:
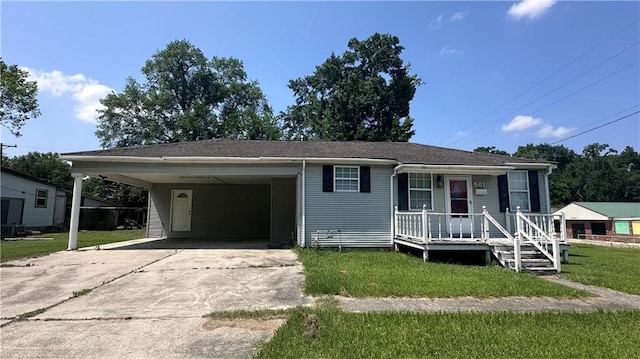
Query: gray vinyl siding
[[283, 210], [227, 212], [154, 224], [364, 219]]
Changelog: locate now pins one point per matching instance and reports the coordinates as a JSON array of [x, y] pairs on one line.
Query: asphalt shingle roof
[[403, 152], [613, 209]]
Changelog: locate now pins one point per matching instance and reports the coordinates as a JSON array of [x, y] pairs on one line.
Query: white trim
[[304, 204], [454, 169], [202, 159], [335, 179]]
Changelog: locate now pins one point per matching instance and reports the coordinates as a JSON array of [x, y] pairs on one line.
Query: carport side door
[[181, 210]]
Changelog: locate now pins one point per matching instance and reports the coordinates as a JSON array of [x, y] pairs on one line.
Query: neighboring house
[[617, 221], [30, 201], [325, 193]]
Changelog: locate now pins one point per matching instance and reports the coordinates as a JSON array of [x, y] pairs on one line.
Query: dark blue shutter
[[403, 192], [534, 191], [365, 179], [327, 178], [503, 192]]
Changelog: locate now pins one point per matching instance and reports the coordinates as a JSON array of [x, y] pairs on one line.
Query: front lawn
[[332, 333], [381, 273], [11, 250], [614, 268]]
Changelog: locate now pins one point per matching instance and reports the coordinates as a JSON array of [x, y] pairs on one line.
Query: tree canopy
[[492, 149], [18, 97], [186, 97], [599, 174], [363, 94], [47, 166]]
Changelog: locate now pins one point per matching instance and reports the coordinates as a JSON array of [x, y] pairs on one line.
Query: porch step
[[531, 260]]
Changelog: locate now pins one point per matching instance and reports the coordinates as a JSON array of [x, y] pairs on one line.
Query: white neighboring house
[[30, 202]]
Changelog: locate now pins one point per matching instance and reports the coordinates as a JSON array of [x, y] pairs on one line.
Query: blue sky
[[474, 58]]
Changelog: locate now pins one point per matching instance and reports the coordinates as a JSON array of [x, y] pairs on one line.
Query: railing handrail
[[495, 223], [554, 257]]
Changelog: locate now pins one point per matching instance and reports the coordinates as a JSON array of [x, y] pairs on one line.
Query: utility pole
[[2, 146]]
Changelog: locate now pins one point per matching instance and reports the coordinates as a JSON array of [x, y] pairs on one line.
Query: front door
[[459, 204], [181, 210]]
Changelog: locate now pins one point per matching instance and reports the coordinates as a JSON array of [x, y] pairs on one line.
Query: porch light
[[439, 181]]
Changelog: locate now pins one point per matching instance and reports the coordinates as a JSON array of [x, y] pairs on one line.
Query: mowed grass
[[11, 250], [381, 273], [613, 268], [456, 335]]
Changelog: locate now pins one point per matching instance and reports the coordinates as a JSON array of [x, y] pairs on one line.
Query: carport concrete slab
[[227, 258], [171, 293], [40, 282], [137, 338]]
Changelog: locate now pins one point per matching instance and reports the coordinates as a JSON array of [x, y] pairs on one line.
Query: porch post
[[75, 211]]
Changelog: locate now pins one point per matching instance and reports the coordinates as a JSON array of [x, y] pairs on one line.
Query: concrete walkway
[[605, 299]]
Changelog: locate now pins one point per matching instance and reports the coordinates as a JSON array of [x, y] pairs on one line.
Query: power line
[[551, 75], [553, 103], [595, 128]]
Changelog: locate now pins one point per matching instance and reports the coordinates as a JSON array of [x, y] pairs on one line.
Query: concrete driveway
[[144, 299]]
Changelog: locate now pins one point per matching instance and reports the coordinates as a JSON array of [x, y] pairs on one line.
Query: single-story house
[[617, 221], [33, 203], [357, 194], [30, 202]]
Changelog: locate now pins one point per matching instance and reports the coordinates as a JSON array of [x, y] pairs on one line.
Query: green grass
[[379, 273], [457, 335], [11, 250], [614, 268]]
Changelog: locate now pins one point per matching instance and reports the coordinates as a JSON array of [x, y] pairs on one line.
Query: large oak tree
[[363, 94], [186, 97]]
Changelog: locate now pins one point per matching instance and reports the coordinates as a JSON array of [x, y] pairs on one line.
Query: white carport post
[[75, 211]]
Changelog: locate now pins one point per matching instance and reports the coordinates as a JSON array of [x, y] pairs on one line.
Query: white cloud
[[521, 122], [547, 131], [436, 23], [85, 92], [458, 16], [530, 8], [449, 51]]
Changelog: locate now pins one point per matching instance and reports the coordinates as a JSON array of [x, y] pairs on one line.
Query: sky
[[502, 73]]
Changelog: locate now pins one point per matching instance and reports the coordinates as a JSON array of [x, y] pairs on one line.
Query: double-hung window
[[420, 191], [347, 179], [519, 190], [41, 198]]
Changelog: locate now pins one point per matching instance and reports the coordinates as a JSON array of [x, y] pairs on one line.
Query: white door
[[459, 204], [181, 210]]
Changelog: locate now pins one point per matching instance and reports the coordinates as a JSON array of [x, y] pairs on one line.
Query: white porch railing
[[543, 239], [535, 229], [545, 222], [426, 226]]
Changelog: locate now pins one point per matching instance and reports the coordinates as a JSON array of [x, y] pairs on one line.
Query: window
[[41, 197], [347, 179], [519, 191], [598, 228], [420, 191]]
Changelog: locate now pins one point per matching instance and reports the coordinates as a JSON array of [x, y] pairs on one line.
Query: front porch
[[525, 241]]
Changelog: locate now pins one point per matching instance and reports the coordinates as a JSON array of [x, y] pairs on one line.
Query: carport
[[216, 199]]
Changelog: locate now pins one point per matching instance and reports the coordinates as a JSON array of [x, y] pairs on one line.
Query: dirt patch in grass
[[245, 323]]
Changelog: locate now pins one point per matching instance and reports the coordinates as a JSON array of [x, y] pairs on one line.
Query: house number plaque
[[478, 184]]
